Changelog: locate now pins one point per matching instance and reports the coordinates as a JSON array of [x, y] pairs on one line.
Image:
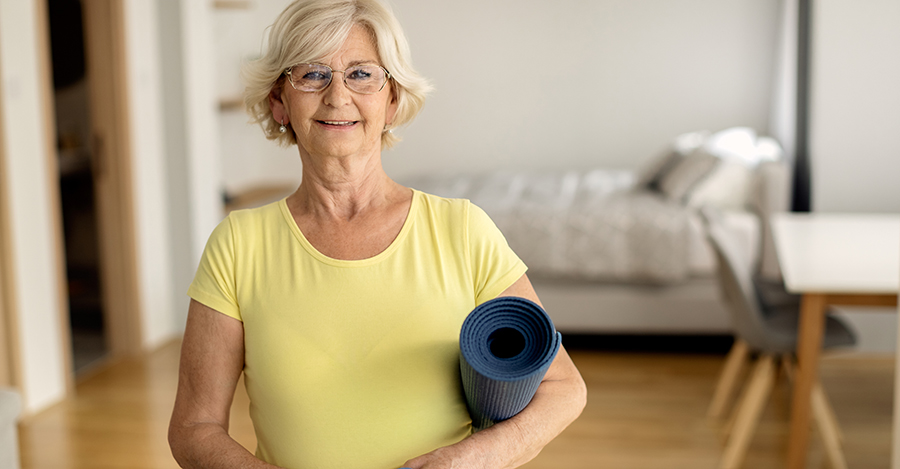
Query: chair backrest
[[736, 283]]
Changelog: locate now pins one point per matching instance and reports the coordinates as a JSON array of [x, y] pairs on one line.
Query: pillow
[[727, 187], [649, 176], [690, 170]]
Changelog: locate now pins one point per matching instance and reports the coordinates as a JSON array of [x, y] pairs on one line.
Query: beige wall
[[540, 84]]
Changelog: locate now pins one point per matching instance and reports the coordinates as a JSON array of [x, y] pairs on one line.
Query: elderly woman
[[342, 304]]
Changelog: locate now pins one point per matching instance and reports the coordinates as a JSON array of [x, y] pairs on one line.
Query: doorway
[[77, 169]]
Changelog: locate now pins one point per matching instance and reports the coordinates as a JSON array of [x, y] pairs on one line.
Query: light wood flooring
[[645, 410]]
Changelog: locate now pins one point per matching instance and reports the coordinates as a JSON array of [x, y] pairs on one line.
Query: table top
[[838, 253]]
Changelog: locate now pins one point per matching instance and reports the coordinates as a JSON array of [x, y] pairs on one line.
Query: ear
[[277, 104], [391, 109]]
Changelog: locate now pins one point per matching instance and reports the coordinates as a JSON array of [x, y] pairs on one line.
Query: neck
[[343, 187]]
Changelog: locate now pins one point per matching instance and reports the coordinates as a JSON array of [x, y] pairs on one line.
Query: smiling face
[[336, 121]]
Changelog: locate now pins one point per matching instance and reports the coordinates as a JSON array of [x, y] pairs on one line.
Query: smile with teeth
[[344, 123]]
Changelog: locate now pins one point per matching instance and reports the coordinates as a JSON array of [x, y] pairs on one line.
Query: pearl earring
[[282, 129]]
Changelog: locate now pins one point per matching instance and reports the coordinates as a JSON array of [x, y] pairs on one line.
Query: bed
[[624, 252]]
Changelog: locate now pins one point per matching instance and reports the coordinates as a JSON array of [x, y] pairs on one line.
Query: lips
[[340, 123]]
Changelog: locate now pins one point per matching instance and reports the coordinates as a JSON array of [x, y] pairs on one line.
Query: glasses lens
[[365, 79], [310, 77]]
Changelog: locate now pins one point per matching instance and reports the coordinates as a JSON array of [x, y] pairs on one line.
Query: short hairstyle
[[309, 30]]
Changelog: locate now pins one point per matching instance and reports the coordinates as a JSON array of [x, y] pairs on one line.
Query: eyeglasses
[[363, 79]]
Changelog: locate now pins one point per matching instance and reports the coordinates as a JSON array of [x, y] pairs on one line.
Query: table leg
[[809, 346], [895, 447]]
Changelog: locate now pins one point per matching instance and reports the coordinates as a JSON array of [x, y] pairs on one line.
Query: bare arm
[[558, 401], [212, 359]]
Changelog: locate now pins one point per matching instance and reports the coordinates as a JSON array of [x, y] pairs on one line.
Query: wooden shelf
[[231, 104], [258, 196], [232, 5]]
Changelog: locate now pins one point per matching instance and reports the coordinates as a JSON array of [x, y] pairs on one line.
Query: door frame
[[106, 67], [10, 370], [51, 156], [105, 51]]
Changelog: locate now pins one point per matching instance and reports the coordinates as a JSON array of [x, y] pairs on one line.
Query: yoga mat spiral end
[[506, 346]]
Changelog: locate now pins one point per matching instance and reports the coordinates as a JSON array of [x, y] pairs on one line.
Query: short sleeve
[[495, 267], [214, 282]]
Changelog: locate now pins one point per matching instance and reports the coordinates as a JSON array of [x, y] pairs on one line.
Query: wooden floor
[[645, 410]]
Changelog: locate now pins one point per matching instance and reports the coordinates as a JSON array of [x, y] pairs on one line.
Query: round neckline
[[301, 238]]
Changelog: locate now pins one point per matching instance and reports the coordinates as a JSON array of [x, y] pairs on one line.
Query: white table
[[833, 259]]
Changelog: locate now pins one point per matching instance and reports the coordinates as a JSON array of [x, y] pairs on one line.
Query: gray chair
[[10, 407], [769, 330]]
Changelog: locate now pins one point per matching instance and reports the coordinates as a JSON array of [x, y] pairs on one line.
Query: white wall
[[201, 129], [541, 84], [149, 170], [248, 159], [34, 267], [855, 124], [783, 115], [573, 84], [182, 256], [193, 147]]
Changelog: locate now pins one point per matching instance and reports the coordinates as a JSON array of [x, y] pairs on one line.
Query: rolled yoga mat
[[506, 346]]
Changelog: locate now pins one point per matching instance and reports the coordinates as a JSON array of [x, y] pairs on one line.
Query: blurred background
[[124, 137]]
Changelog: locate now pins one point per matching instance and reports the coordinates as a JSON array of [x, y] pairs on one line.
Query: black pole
[[802, 176]]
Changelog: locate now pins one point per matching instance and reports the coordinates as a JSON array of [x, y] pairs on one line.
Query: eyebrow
[[354, 63]]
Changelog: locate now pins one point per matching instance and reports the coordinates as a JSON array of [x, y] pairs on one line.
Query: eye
[[361, 73], [315, 75], [310, 73]]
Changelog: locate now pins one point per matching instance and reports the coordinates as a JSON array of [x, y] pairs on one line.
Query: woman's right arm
[[212, 358]]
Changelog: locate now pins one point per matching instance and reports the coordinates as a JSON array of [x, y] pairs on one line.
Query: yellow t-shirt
[[355, 364]]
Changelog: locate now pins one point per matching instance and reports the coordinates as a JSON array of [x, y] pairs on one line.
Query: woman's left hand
[[448, 457]]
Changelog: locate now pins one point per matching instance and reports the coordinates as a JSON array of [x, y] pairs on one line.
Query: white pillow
[[727, 187], [652, 173], [679, 182]]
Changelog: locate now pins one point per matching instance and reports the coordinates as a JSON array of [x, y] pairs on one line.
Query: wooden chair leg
[[828, 427], [749, 412], [725, 434], [787, 365], [728, 381]]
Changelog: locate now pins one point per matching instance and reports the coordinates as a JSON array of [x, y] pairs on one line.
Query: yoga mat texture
[[506, 346]]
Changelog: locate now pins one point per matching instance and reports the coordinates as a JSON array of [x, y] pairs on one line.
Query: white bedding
[[594, 225]]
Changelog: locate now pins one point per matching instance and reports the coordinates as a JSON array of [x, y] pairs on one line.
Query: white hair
[[309, 30]]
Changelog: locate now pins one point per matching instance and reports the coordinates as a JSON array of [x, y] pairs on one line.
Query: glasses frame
[[287, 72]]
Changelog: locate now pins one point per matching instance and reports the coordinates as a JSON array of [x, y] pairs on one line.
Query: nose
[[337, 94]]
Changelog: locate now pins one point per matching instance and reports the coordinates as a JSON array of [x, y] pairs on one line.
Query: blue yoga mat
[[506, 346]]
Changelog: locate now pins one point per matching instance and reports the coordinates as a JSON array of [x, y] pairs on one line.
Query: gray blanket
[[591, 224]]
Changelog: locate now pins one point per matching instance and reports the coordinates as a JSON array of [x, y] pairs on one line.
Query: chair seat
[[783, 326]]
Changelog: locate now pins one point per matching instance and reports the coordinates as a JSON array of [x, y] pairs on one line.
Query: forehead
[[359, 47]]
